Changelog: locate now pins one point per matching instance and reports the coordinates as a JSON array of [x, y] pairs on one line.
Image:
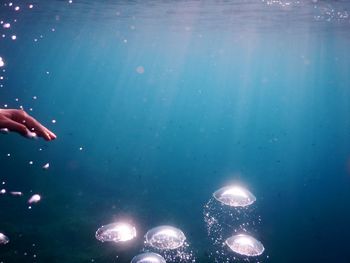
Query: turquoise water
[[169, 101]]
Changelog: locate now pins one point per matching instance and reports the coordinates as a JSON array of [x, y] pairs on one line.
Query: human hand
[[21, 122]]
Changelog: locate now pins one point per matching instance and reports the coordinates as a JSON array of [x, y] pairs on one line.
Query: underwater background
[[157, 104]]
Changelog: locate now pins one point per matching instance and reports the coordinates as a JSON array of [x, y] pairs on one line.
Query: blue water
[[249, 92]]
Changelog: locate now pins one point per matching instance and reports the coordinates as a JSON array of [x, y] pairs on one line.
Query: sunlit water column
[[232, 225]]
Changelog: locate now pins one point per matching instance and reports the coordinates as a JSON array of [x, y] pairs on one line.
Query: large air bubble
[[165, 237], [148, 257], [235, 196], [245, 245], [116, 232]]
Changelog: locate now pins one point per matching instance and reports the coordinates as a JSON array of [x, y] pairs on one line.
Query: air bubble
[[116, 232], [235, 196], [3, 239], [148, 257], [245, 245], [165, 237]]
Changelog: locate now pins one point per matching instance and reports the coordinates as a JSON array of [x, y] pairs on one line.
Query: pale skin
[[21, 122]]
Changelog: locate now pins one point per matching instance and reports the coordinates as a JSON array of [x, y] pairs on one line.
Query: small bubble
[[3, 191], [17, 8], [2, 63], [46, 166], [6, 25], [3, 239], [140, 69], [16, 193], [13, 37], [53, 121], [34, 199], [30, 6]]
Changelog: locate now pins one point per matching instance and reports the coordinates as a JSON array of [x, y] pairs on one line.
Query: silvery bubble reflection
[[245, 245], [224, 218], [235, 196], [116, 232], [148, 257], [165, 237], [170, 242]]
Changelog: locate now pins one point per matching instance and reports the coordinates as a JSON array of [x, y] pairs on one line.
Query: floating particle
[[165, 237], [53, 121], [34, 199], [53, 30], [4, 130], [70, 1], [6, 25], [9, 154], [3, 191], [47, 72], [2, 63], [30, 6], [235, 196], [148, 257], [17, 8], [46, 166], [80, 148], [116, 232], [16, 193], [3, 239], [35, 97], [13, 37], [30, 162], [140, 70], [245, 245]]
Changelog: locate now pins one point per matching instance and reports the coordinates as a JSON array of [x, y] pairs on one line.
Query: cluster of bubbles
[[167, 242], [230, 221], [320, 10], [231, 225]]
